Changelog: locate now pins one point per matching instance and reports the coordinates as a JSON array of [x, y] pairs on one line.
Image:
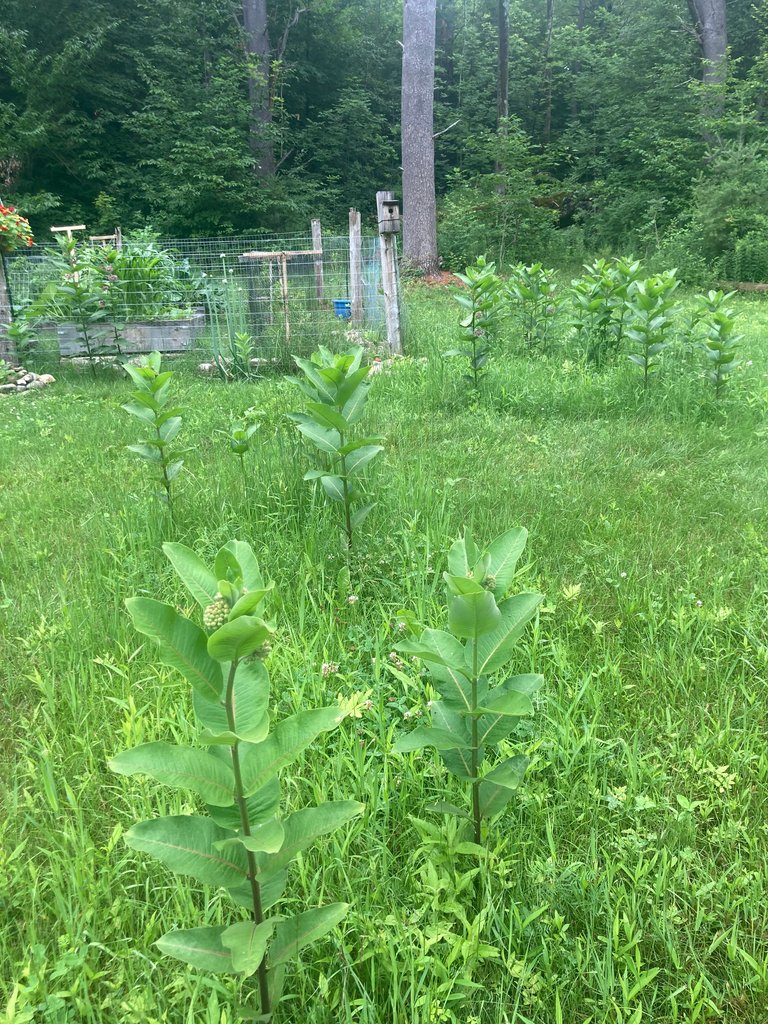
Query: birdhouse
[[389, 213]]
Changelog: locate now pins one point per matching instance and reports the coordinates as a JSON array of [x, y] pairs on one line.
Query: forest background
[[210, 117]]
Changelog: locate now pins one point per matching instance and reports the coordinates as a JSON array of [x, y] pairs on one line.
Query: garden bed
[[145, 336]]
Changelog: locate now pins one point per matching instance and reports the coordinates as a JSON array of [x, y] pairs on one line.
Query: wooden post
[[7, 350], [317, 245], [284, 293], [388, 226], [356, 266]]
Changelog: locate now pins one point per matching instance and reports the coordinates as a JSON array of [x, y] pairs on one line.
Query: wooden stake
[[317, 245], [389, 279], [284, 292], [356, 266]]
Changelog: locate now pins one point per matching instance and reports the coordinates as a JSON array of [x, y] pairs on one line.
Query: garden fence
[[272, 296]]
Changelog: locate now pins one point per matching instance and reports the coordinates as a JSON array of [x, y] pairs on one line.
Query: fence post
[[356, 266], [389, 224], [6, 312], [317, 245]]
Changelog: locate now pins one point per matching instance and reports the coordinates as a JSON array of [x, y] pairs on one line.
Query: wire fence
[[257, 298]]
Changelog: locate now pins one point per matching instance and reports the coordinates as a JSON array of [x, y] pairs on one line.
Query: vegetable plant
[[242, 844], [151, 402], [478, 708], [479, 322], [337, 388]]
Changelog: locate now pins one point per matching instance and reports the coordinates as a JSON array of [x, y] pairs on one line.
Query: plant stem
[[347, 512], [475, 783], [258, 914], [245, 479]]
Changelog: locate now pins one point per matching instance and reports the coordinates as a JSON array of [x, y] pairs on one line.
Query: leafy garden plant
[[242, 844], [337, 388], [151, 402], [531, 293], [651, 314], [599, 300], [477, 709], [721, 344], [480, 320]]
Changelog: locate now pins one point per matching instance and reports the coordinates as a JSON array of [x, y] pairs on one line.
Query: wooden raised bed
[[135, 338]]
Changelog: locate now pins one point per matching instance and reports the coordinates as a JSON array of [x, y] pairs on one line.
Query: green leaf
[[459, 760], [462, 555], [293, 934], [325, 416], [238, 638], [240, 555], [496, 647], [265, 838], [271, 889], [496, 727], [304, 826], [441, 807], [251, 601], [250, 699], [247, 944], [361, 457], [327, 390], [427, 736], [505, 552], [183, 645], [361, 514], [186, 844], [260, 761], [261, 806], [324, 438], [495, 795], [506, 702], [200, 947], [472, 615], [181, 767], [194, 574], [333, 487], [459, 585], [148, 452]]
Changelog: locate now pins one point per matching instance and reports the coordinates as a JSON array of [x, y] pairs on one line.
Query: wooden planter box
[[143, 336]]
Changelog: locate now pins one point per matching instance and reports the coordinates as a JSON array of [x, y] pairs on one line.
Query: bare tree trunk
[[547, 132], [709, 19], [417, 134], [259, 87], [502, 88], [576, 65]]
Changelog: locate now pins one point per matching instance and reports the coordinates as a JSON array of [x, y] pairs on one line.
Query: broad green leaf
[[495, 795], [463, 584], [149, 452], [361, 514], [183, 645], [238, 638], [462, 555], [353, 392], [271, 889], [260, 761], [261, 806], [247, 943], [304, 826], [324, 438], [507, 702], [293, 934], [185, 844], [496, 647], [173, 470], [357, 444], [181, 767], [265, 838], [427, 736], [326, 416], [244, 558], [194, 573], [360, 457], [435, 645], [250, 602], [200, 947], [459, 760], [442, 807], [333, 487], [505, 552], [473, 615], [496, 727], [326, 388]]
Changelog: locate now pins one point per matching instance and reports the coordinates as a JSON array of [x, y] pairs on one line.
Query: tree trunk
[[547, 132], [576, 65], [259, 91], [502, 86], [709, 19], [417, 134]]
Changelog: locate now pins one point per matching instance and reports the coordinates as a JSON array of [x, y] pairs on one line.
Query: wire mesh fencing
[[227, 300]]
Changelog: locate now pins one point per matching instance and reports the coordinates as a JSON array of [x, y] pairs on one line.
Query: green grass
[[626, 883]]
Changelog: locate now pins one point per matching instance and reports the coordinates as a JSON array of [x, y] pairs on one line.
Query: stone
[[6, 389], [47, 378], [36, 384], [28, 378]]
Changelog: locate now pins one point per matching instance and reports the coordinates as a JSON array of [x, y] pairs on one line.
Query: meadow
[[626, 882]]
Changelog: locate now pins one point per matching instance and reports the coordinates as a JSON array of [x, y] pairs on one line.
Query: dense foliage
[[141, 112]]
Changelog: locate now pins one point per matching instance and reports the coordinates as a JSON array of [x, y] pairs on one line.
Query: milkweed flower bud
[[216, 614]]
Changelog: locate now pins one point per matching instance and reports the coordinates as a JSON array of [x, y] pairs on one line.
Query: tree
[[417, 133], [709, 19]]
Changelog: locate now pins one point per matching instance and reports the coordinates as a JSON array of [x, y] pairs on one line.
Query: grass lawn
[[626, 882]]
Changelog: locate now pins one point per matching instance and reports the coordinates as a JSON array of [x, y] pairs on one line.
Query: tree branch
[[292, 22], [444, 130]]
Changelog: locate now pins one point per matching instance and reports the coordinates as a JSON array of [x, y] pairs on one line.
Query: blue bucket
[[343, 308]]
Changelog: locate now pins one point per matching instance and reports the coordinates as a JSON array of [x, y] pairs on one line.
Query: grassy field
[[627, 882]]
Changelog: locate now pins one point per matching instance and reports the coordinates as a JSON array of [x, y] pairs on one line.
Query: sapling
[[481, 317], [151, 402], [650, 311], [476, 710], [243, 844], [337, 388]]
